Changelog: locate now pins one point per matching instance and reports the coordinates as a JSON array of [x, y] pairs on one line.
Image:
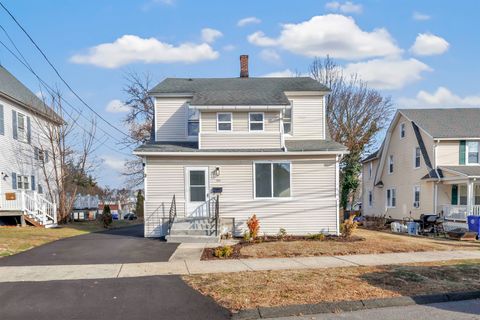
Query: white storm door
[[196, 191]]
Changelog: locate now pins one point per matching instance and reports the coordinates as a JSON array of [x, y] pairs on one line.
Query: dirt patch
[[244, 290]]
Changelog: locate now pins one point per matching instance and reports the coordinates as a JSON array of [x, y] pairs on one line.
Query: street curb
[[348, 306]]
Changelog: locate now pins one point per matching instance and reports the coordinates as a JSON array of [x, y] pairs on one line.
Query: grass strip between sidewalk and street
[[247, 290], [17, 239]]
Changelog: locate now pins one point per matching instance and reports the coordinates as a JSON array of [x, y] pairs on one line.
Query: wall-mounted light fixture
[[4, 175], [217, 171]]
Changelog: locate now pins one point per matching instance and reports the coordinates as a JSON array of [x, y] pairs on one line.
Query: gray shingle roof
[[372, 156], [292, 146], [237, 91], [447, 123], [470, 171], [14, 89]]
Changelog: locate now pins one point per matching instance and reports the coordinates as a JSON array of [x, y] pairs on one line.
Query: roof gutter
[[241, 153]]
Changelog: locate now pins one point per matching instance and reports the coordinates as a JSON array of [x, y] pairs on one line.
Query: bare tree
[[355, 113], [139, 121], [66, 157]]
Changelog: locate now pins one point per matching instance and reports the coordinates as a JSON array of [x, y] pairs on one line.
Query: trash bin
[[412, 228], [474, 224]]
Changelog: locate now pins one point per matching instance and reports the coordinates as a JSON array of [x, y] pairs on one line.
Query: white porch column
[[469, 197]]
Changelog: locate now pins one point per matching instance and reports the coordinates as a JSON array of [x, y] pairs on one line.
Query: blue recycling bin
[[474, 224]]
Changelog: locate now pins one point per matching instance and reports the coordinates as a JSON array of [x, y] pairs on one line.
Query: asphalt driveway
[[123, 245], [163, 297]]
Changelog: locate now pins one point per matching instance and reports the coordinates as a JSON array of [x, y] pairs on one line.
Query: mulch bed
[[208, 253]]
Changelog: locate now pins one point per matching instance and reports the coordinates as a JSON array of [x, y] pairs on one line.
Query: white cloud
[[388, 74], [248, 20], [130, 48], [116, 106], [442, 97], [270, 55], [113, 163], [210, 35], [281, 74], [332, 34], [427, 44], [420, 16], [347, 7]]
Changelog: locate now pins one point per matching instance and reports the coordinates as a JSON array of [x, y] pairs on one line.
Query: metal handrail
[[172, 214], [217, 213]]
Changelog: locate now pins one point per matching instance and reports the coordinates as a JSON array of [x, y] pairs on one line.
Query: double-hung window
[[287, 120], [21, 127], [391, 198], [417, 157], [272, 179], [472, 152], [390, 164], [224, 121], [23, 182], [255, 121], [370, 170], [193, 122], [402, 131], [370, 198], [416, 196]]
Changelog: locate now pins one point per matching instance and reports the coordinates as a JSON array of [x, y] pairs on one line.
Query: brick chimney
[[244, 66]]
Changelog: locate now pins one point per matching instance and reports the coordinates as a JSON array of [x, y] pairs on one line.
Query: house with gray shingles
[[225, 149], [26, 165], [429, 163]]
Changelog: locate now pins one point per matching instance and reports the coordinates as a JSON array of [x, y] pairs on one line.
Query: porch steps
[[192, 230]]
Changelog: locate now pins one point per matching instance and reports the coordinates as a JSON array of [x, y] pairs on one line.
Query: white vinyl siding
[[171, 119], [307, 117], [310, 209]]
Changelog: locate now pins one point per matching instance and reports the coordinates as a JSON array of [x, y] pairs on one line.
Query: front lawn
[[371, 242], [245, 290], [17, 239]]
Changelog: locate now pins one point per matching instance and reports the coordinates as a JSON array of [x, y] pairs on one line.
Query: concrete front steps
[[192, 230]]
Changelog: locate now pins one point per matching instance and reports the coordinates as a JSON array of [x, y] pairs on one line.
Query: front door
[[196, 191]]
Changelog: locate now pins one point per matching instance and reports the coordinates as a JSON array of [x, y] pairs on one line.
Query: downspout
[[435, 187], [282, 134], [337, 192]]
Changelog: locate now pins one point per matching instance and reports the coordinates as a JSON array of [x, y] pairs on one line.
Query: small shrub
[[348, 227], [223, 252], [107, 218], [253, 226], [246, 236], [282, 233], [316, 236]]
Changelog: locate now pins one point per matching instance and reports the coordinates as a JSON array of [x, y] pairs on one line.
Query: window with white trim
[[23, 182], [416, 196], [272, 179], [390, 164], [21, 127], [287, 120], [391, 198], [472, 152], [370, 198], [255, 121], [417, 157], [224, 121], [402, 131], [193, 122]]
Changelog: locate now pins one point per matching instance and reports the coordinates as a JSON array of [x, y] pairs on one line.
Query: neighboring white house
[[260, 144], [24, 151], [428, 164]]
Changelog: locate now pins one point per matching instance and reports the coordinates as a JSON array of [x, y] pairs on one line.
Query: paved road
[[123, 245], [162, 297], [460, 310]]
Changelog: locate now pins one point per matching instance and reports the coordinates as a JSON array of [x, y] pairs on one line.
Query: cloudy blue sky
[[421, 53]]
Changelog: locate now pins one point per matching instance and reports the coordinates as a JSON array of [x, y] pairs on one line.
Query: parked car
[[130, 216]]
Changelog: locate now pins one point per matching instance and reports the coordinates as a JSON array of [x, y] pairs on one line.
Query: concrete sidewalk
[[183, 267]]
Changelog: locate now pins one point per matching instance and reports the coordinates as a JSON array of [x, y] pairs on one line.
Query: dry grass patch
[[17, 239], [246, 290], [374, 242]]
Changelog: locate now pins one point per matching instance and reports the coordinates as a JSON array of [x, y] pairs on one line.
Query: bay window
[[272, 179]]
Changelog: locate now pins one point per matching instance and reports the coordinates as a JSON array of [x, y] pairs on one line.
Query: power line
[[51, 91], [57, 72]]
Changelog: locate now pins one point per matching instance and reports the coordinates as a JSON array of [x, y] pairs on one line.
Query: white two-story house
[[26, 165], [429, 163], [227, 148]]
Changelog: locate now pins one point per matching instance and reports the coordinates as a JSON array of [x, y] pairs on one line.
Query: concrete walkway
[[183, 267]]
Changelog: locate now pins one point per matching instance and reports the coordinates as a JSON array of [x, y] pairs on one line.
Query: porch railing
[[458, 212], [31, 203]]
